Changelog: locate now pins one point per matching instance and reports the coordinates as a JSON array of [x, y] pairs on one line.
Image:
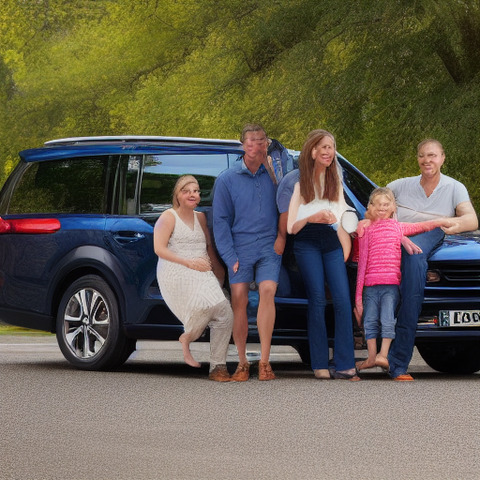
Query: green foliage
[[380, 74]]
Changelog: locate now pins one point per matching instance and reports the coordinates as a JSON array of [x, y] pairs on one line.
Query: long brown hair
[[306, 165]]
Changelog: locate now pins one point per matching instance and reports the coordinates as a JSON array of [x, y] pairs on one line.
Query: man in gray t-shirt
[[425, 197], [414, 206]]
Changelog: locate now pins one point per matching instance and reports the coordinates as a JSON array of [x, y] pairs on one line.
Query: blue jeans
[[320, 259], [414, 271], [379, 305]]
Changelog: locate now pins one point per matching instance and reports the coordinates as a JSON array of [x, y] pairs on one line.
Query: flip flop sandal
[[353, 377]]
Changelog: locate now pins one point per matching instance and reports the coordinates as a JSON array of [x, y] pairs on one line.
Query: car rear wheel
[[454, 357], [89, 331]]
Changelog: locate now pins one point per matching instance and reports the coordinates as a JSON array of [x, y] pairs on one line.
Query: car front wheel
[[451, 357], [89, 331]]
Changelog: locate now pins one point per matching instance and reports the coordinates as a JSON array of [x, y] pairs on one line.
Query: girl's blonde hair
[[181, 182], [381, 191]]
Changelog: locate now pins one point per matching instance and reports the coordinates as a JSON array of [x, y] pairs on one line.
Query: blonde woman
[[190, 276]]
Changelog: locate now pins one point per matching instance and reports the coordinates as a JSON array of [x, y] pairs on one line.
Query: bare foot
[[381, 361], [322, 373], [364, 364], [187, 355]]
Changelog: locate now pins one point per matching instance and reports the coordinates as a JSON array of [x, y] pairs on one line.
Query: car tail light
[[29, 225], [355, 252]]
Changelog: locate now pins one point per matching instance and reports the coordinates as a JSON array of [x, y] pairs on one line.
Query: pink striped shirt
[[380, 252]]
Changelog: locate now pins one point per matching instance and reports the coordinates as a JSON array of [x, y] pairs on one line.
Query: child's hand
[[358, 311], [450, 225], [410, 247], [362, 225]]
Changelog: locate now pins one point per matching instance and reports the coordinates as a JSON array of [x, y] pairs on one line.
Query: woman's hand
[[200, 264], [323, 216]]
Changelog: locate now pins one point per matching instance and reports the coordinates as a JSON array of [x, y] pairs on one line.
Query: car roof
[[144, 139], [128, 145]]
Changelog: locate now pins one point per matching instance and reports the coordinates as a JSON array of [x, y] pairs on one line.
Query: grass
[[12, 330]]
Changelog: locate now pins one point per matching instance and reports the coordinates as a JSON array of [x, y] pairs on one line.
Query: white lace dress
[[189, 294]]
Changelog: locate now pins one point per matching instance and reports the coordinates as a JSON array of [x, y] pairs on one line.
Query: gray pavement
[[157, 418]]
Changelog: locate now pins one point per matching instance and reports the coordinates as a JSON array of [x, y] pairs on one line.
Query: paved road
[[159, 419]]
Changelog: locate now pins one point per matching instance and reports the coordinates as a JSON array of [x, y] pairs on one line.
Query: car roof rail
[[147, 139]]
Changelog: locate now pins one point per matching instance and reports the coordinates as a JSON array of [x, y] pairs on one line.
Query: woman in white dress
[[190, 276]]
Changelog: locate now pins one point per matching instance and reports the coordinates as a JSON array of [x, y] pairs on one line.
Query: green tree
[[380, 74]]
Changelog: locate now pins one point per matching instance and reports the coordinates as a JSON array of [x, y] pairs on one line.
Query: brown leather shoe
[[220, 374], [265, 371], [242, 373]]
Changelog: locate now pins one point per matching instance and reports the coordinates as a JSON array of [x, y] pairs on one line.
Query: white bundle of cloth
[[345, 215]]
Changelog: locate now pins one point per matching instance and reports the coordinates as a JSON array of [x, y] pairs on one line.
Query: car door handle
[[127, 237]]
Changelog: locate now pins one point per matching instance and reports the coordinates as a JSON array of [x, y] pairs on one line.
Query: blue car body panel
[[35, 269]]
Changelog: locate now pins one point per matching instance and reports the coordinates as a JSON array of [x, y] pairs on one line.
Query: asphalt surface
[[157, 418]]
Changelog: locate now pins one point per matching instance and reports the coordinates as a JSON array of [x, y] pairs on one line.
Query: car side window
[[66, 186], [357, 183], [125, 185], [160, 173]]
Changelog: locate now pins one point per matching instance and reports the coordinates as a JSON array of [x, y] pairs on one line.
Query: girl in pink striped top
[[378, 275]]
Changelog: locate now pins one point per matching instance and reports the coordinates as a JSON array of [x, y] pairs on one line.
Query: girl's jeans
[[379, 305]]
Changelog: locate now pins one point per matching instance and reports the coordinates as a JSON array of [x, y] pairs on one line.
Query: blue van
[[77, 259]]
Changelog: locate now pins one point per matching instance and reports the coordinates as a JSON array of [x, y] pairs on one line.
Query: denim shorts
[[258, 263], [379, 307]]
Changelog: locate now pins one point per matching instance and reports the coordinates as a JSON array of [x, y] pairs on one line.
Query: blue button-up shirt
[[244, 211]]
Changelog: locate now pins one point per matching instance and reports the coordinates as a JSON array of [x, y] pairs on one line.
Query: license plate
[[459, 318]]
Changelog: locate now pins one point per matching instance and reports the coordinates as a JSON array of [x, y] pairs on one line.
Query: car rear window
[[64, 186]]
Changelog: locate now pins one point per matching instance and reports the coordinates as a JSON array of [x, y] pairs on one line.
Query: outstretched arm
[[465, 220]]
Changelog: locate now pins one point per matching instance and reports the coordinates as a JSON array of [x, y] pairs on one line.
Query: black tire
[[89, 330], [454, 357], [303, 350]]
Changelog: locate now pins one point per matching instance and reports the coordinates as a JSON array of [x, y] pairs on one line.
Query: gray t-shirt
[[413, 205]]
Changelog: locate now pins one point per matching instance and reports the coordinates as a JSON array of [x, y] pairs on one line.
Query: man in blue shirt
[[245, 222]]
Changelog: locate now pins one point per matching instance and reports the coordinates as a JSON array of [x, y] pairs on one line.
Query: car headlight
[[433, 276]]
